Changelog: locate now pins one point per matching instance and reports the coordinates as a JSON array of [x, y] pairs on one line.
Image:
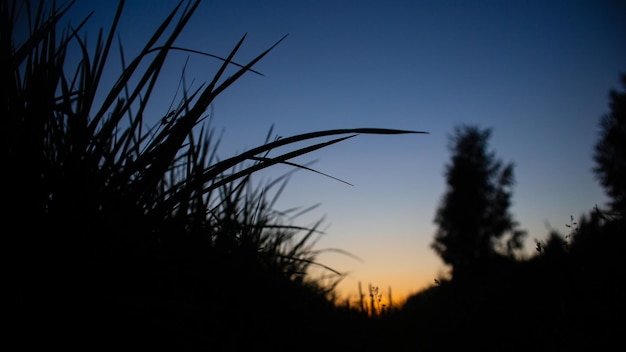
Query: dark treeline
[[120, 236], [569, 295]]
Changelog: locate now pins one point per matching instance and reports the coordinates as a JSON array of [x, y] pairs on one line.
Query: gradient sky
[[536, 72]]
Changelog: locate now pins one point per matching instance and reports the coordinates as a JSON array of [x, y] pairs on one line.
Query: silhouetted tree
[[610, 150], [473, 216]]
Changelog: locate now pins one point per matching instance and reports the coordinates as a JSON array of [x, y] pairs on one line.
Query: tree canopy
[[473, 217], [610, 150]]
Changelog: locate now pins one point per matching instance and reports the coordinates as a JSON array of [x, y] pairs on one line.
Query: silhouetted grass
[[122, 234], [119, 235]]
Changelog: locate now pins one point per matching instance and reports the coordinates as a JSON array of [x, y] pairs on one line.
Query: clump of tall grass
[[376, 308], [122, 228]]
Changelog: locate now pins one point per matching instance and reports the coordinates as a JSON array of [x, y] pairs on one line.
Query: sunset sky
[[536, 72]]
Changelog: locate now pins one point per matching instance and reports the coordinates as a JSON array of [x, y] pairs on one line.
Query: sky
[[537, 73]]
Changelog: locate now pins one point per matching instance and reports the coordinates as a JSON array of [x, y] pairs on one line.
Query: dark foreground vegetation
[[122, 236], [571, 295]]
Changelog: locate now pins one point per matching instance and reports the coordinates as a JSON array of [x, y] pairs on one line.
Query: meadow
[[120, 235]]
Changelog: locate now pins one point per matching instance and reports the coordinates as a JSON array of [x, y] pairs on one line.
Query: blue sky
[[536, 72]]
